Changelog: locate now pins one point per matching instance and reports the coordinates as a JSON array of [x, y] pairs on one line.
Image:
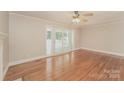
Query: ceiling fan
[[80, 17]]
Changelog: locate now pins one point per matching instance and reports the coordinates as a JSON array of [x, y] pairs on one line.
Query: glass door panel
[[58, 42], [66, 41], [49, 42]]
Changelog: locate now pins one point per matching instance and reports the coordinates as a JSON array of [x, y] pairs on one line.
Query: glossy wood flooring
[[77, 65]]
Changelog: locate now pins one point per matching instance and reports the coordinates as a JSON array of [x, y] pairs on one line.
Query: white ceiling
[[65, 17]]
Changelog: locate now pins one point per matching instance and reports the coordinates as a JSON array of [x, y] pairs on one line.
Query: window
[[49, 35], [58, 40]]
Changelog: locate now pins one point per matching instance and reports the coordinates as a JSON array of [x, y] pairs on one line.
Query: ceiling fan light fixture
[[75, 20], [75, 16]]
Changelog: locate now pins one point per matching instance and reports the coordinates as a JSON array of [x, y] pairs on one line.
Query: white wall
[[4, 28], [27, 37], [107, 37], [76, 39]]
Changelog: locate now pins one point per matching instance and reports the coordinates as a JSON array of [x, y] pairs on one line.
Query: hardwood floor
[[77, 65]]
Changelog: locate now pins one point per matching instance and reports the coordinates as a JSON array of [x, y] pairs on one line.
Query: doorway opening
[[58, 41]]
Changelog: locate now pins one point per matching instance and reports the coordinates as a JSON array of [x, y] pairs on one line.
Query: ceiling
[[65, 17]]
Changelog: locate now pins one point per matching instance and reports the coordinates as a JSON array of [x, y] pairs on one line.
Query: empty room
[[62, 46]]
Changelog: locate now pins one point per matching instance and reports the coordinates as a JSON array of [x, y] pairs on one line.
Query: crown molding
[[50, 22], [43, 19], [112, 22]]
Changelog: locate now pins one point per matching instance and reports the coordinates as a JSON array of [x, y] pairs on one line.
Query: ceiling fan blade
[[85, 20], [88, 14]]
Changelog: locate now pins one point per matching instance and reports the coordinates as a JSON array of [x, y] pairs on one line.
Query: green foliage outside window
[[48, 35], [58, 35]]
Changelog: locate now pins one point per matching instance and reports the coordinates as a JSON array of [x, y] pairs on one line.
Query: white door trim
[[2, 36]]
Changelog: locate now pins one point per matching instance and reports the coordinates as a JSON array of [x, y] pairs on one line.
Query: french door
[[58, 41]]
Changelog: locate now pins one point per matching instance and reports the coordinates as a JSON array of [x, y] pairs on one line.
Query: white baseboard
[[39, 57], [36, 58], [107, 52], [76, 49], [25, 60]]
